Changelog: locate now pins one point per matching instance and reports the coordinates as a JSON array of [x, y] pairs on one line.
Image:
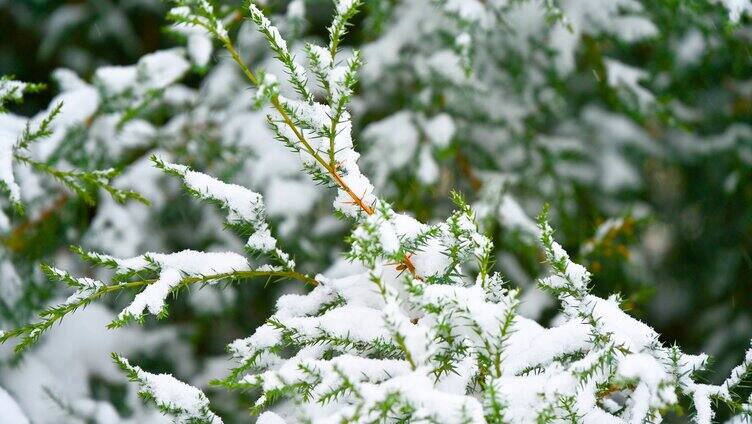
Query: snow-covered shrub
[[605, 111], [419, 327], [55, 169], [116, 120]]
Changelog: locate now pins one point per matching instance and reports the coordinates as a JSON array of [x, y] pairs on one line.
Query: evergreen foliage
[[335, 158]]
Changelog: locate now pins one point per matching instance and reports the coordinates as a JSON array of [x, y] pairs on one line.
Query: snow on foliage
[[173, 268], [456, 351], [419, 327], [242, 204], [245, 207], [736, 8], [185, 403]]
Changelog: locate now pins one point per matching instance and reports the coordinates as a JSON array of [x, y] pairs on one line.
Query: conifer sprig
[[86, 183], [86, 294]]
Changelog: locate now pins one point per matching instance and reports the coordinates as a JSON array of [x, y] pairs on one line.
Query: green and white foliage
[[186, 404], [490, 110], [33, 168], [163, 274], [117, 120], [68, 157], [59, 166], [512, 102], [425, 330], [411, 323], [380, 347], [579, 104]]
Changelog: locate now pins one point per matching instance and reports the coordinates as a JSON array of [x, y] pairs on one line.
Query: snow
[[337, 86], [119, 138], [98, 411], [270, 418], [116, 79], [414, 341], [643, 367], [471, 10], [622, 75], [634, 28], [388, 238], [323, 55], [431, 259], [737, 374], [407, 226], [189, 262], [339, 326], [575, 275], [200, 48], [440, 129], [537, 365], [111, 230], [736, 8], [4, 222], [617, 173], [175, 395], [77, 351], [244, 205], [385, 50], [10, 412], [7, 149], [310, 137], [169, 391], [446, 63], [262, 241], [290, 197], [159, 69], [428, 169], [343, 6], [362, 188], [523, 396], [265, 24], [531, 345], [431, 405], [11, 90], [513, 216], [11, 285], [630, 332], [533, 370], [296, 9], [67, 80], [267, 84], [352, 322], [173, 268], [153, 296], [88, 286], [393, 141], [463, 40], [80, 101]]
